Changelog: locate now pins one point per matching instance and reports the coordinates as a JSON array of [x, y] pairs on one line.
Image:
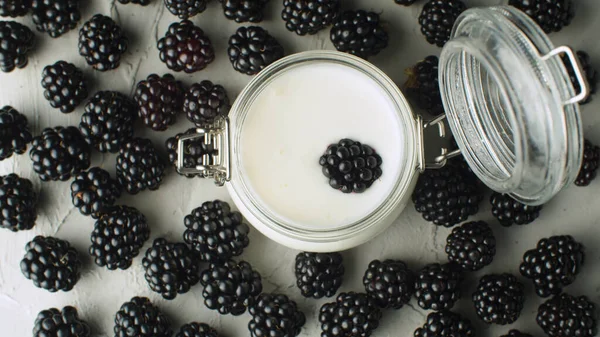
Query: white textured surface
[[100, 292]]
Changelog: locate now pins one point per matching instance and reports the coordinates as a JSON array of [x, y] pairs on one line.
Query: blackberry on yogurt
[[351, 166]]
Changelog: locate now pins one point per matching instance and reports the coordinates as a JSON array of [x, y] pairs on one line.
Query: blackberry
[[205, 101], [107, 121], [275, 315], [94, 191], [589, 165], [60, 323], [390, 283], [437, 286], [185, 47], [251, 49], [14, 132], [516, 333], [405, 2], [59, 153], [230, 287], [351, 314], [196, 330], [553, 264], [14, 8], [140, 318], [215, 232], [18, 202], [138, 2], [51, 264], [16, 40], [472, 245], [244, 10], [171, 268], [351, 166], [159, 100], [55, 17], [437, 19], [194, 150], [499, 299], [510, 212], [309, 16], [449, 195], [359, 33], [102, 43], [445, 324], [64, 86], [118, 236], [551, 15], [565, 315], [185, 9], [423, 85], [589, 72], [139, 167], [319, 274]]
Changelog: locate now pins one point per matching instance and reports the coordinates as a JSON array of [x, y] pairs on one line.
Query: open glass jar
[[509, 102]]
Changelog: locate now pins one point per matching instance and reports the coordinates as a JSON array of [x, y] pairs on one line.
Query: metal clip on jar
[[509, 102]]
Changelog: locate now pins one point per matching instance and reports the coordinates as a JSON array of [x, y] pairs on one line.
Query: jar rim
[[326, 239], [505, 104]]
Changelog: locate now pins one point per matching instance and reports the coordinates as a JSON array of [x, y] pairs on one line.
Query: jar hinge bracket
[[577, 69], [216, 165], [445, 154]]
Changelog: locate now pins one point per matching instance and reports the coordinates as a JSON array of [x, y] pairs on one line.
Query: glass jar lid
[[511, 105]]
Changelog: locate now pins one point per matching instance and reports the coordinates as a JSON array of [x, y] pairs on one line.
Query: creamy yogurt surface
[[289, 126]]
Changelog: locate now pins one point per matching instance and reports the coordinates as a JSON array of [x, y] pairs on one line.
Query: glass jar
[[509, 103]]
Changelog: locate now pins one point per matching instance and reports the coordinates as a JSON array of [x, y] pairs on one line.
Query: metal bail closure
[[440, 160], [216, 166], [581, 80]]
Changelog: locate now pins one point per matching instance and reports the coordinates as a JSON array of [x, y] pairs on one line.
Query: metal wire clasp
[[581, 80], [439, 161], [217, 165]]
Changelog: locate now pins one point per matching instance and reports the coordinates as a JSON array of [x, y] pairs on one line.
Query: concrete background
[[100, 292]]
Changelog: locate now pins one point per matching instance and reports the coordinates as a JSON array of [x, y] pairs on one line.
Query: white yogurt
[[291, 123]]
